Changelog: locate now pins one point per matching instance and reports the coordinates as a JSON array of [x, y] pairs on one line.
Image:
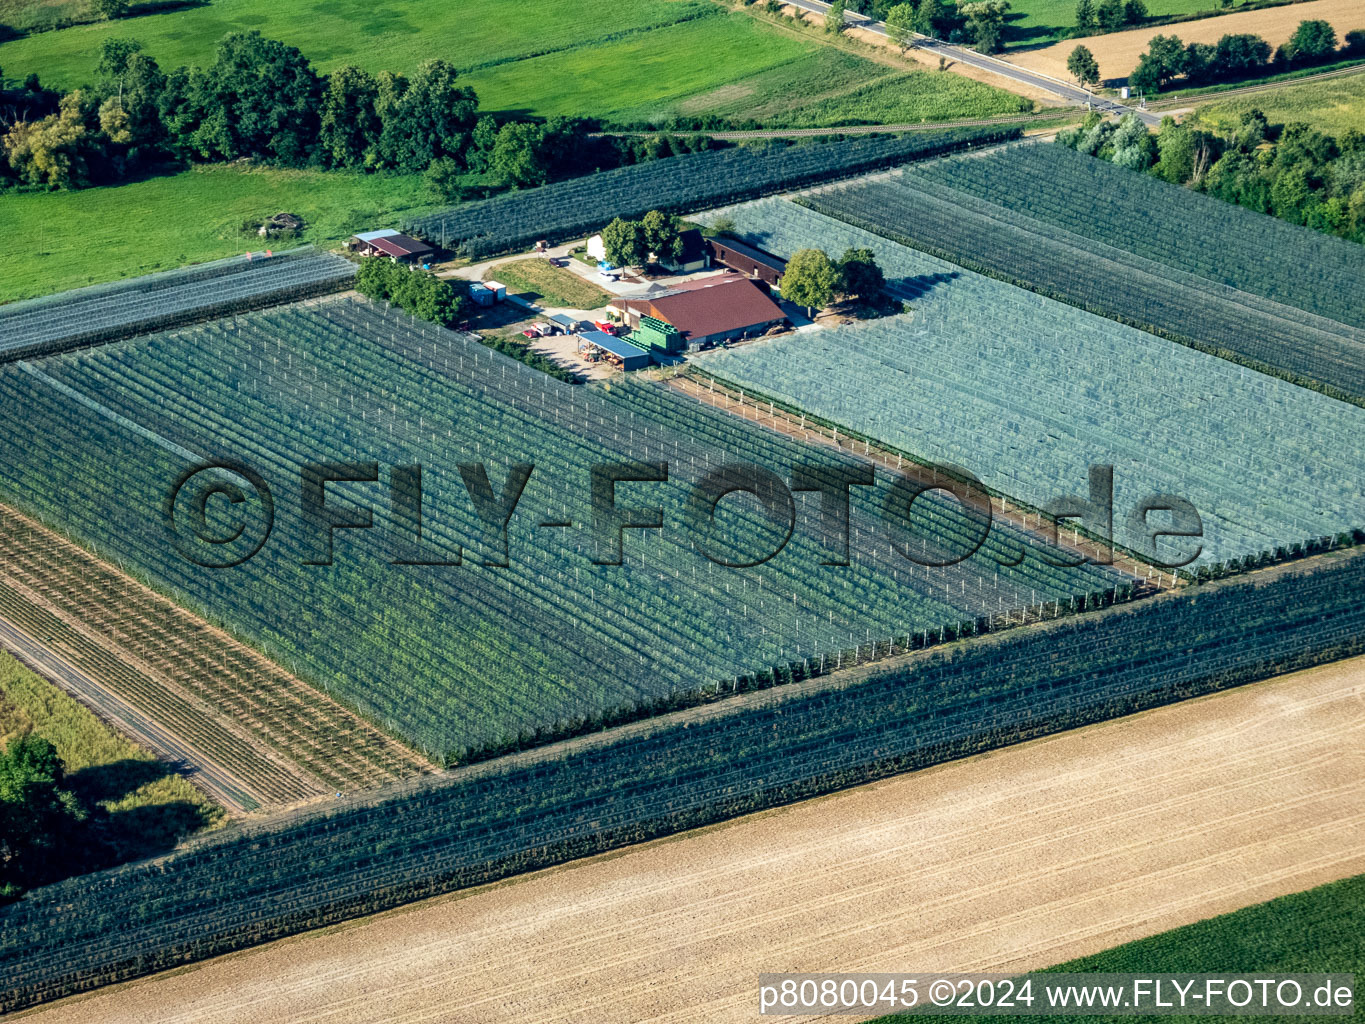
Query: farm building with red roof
[[710, 311]]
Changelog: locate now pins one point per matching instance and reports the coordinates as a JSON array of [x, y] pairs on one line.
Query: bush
[[420, 292]]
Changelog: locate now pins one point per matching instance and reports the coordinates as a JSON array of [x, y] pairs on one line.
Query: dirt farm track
[[1011, 860]]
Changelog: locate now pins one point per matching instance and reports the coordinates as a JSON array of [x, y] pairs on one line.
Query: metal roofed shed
[[369, 236], [393, 244], [619, 351], [567, 324], [749, 261]]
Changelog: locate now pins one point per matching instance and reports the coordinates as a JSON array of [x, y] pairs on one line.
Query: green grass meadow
[[142, 807], [52, 241], [633, 63], [1334, 105], [1313, 932], [394, 36], [833, 87], [645, 60]]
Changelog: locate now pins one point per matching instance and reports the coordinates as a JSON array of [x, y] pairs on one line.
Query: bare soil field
[[1118, 52], [1012, 860]]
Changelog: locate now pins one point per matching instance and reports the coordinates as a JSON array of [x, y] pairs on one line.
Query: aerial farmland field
[[1042, 812], [575, 512], [949, 383], [439, 399], [1118, 52], [1031, 215]]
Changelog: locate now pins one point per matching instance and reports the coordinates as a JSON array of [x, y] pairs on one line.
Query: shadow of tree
[[106, 838], [922, 284], [116, 779]]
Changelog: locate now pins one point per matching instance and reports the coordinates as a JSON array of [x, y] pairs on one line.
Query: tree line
[[1240, 55], [979, 23], [261, 100], [1293, 172]]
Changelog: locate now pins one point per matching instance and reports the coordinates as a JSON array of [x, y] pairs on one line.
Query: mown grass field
[[1334, 105], [1317, 931], [138, 804], [51, 241], [643, 61], [536, 280], [834, 87], [390, 36]]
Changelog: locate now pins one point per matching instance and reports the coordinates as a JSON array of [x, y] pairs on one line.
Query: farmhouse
[[747, 260], [707, 312], [394, 244]]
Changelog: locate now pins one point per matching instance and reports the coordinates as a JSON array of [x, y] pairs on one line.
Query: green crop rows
[[472, 658], [485, 821], [1027, 393], [920, 208], [1170, 225]]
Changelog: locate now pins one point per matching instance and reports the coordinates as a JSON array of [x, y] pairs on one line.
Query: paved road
[[1071, 93], [212, 778]]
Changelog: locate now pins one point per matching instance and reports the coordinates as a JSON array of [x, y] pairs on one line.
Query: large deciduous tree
[[349, 127], [426, 118], [811, 279], [623, 241], [900, 25], [1083, 66], [1133, 144], [259, 98], [55, 151], [663, 234], [834, 17], [859, 274], [986, 20], [517, 157], [1312, 40], [37, 812]]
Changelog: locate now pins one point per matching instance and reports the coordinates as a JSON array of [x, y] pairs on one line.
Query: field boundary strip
[[251, 884], [277, 738]]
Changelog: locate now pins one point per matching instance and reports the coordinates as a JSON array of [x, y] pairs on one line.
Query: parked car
[[531, 332]]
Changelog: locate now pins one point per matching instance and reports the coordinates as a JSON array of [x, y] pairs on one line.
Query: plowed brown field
[[1011, 860]]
